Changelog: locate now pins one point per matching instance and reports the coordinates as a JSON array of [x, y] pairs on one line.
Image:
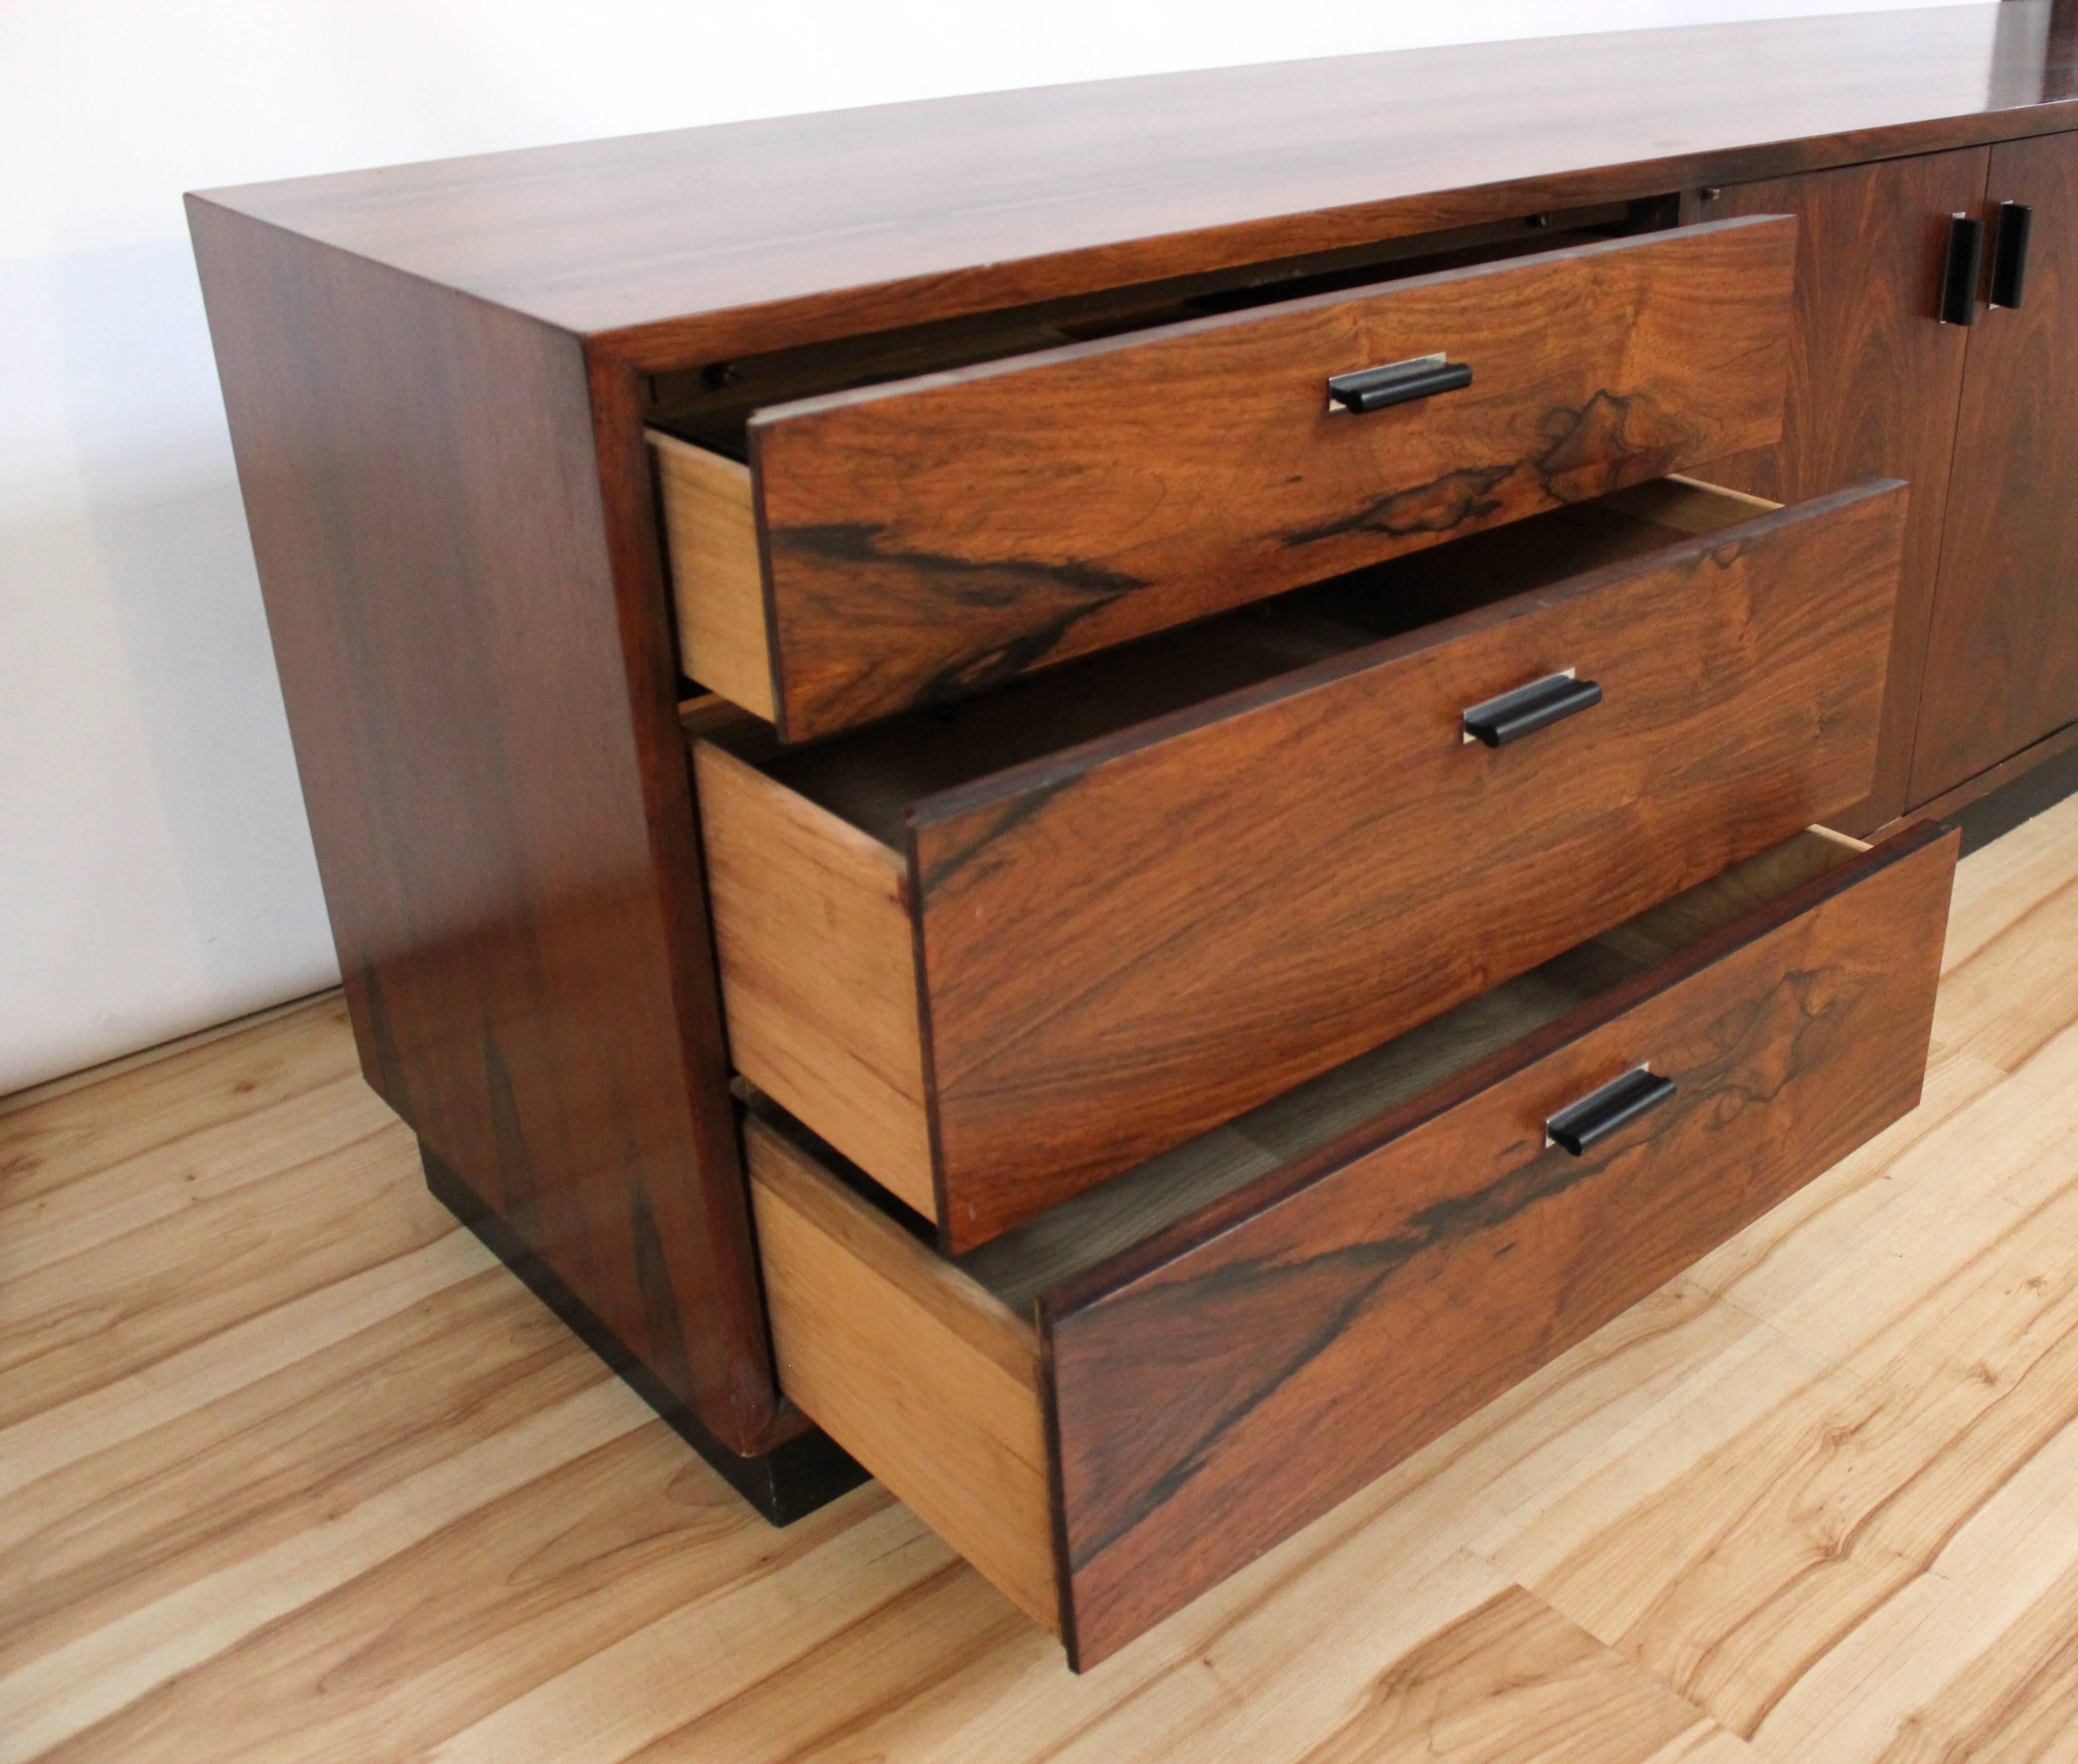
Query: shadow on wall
[[155, 871]]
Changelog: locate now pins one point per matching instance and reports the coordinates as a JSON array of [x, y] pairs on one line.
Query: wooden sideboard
[[1974, 417], [1112, 788]]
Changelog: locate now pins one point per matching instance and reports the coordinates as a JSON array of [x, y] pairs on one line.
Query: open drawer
[[905, 542], [997, 953], [1112, 1408]]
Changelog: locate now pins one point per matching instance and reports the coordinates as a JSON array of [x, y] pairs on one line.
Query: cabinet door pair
[[1981, 419]]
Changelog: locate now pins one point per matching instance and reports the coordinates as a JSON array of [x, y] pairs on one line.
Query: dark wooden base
[[2020, 799], [2002, 796], [792, 1479], [2037, 778]]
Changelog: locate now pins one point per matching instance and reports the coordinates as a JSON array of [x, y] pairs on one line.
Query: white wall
[[156, 874]]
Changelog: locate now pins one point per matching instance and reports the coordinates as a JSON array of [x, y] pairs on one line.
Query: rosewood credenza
[[1107, 798]]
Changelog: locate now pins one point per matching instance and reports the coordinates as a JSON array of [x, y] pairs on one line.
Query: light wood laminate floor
[[291, 1469]]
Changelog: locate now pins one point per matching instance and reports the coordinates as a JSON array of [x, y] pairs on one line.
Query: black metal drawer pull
[[2009, 253], [1959, 274], [1397, 382], [1598, 1114], [1527, 709]]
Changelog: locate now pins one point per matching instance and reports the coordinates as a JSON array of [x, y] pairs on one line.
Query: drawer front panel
[[1127, 944], [929, 537], [1217, 1387]]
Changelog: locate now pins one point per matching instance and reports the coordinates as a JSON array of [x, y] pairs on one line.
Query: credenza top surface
[[669, 248]]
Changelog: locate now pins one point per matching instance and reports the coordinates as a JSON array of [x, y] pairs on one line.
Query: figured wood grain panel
[[932, 536], [914, 1368], [1333, 1324], [717, 582], [690, 246], [1874, 380], [1068, 1240], [2003, 653], [1127, 945], [475, 659], [818, 973]]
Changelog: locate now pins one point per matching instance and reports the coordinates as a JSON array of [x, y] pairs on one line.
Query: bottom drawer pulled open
[[1112, 1408]]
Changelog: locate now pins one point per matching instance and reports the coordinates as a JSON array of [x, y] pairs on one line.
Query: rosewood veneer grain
[[518, 913], [2003, 634], [925, 538], [993, 973], [1227, 1344]]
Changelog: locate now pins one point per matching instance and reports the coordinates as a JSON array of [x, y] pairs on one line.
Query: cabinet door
[[2002, 668], [1874, 379]]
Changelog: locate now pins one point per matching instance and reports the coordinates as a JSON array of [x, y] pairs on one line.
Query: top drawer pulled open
[[902, 543]]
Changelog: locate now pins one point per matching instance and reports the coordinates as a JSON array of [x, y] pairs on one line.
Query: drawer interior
[[930, 1370]]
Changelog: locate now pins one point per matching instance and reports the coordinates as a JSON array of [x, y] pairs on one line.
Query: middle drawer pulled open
[[996, 953]]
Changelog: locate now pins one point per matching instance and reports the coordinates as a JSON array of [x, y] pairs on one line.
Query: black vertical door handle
[[2009, 253], [1959, 274]]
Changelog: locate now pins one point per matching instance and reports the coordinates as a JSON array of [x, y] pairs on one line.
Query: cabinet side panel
[[929, 537], [495, 782]]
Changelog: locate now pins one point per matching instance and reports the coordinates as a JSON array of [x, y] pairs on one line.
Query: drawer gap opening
[[868, 779]]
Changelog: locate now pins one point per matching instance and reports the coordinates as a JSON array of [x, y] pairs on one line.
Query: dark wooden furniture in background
[[2005, 632], [1978, 417], [439, 379], [1873, 381]]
